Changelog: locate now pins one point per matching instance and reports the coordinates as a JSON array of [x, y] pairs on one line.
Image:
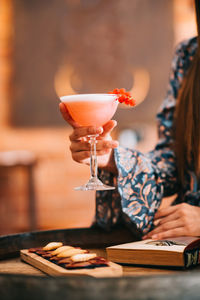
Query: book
[[180, 252]]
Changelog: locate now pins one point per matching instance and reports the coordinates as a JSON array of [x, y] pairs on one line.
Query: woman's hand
[[178, 220], [80, 147]]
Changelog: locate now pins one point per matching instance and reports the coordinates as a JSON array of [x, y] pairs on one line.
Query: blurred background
[[51, 48]]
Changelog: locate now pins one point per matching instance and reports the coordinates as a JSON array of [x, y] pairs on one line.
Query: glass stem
[[93, 156]]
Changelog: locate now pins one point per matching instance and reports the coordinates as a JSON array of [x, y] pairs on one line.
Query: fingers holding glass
[[81, 149], [84, 132]]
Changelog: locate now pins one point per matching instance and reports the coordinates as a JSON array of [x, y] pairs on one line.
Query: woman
[[173, 167]]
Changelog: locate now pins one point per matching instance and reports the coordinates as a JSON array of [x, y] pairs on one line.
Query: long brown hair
[[187, 115]]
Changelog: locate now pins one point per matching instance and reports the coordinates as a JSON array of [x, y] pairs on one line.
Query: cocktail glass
[[92, 110]]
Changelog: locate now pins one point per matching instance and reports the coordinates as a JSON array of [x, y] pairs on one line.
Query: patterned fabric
[[144, 179]]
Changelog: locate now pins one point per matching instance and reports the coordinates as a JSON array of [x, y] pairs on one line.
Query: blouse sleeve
[[143, 179]]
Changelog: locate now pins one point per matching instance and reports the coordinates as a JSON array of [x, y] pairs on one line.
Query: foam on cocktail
[[88, 97], [91, 109]]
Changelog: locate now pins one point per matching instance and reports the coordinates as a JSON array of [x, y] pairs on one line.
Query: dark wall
[[102, 42]]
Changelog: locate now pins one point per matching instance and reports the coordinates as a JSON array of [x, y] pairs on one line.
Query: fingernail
[[155, 236], [62, 106], [115, 144], [99, 129], [156, 222], [115, 123]]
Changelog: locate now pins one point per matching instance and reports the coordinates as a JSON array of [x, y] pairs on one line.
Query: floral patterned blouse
[[144, 179]]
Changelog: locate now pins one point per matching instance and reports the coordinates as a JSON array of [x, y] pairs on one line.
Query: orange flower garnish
[[124, 97]]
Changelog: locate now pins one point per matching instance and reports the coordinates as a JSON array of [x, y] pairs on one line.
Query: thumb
[[108, 127], [66, 116]]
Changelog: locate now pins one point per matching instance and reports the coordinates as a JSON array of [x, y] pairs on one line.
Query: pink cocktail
[[92, 110]]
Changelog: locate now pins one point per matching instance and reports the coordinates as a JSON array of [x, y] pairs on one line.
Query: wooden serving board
[[113, 270]]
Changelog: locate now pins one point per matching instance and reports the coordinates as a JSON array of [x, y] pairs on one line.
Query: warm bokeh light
[[63, 79], [184, 20], [141, 84]]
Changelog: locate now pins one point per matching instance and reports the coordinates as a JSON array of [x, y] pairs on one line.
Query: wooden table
[[16, 266], [20, 280]]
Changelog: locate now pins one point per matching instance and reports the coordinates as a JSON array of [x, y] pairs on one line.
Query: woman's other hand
[[178, 220], [80, 147]]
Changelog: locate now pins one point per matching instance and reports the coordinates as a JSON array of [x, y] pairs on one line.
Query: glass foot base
[[94, 184]]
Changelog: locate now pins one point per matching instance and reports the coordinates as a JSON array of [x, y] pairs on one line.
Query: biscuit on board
[[52, 246], [83, 257], [61, 249], [71, 252]]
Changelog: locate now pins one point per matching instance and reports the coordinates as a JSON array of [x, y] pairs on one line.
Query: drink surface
[[91, 109]]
